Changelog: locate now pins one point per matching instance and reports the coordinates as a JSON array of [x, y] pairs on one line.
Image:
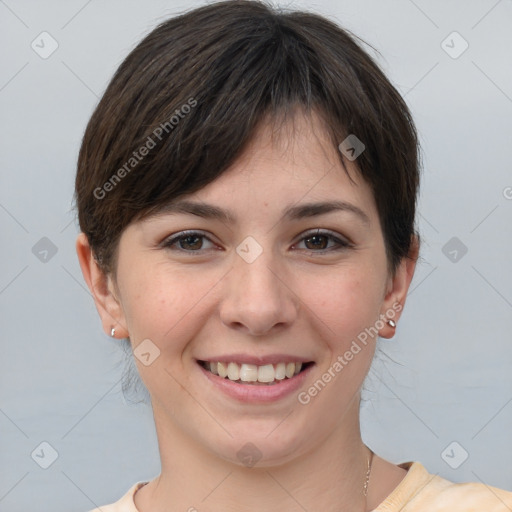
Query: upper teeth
[[252, 373]]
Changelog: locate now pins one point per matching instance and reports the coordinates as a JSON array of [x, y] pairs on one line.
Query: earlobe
[[389, 320], [102, 290], [396, 295]]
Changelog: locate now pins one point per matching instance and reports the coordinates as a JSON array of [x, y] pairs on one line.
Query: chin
[[259, 449]]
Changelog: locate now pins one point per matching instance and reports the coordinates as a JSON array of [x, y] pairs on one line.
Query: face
[[280, 282]]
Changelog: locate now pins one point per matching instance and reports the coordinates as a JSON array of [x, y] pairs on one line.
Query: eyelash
[[342, 244]]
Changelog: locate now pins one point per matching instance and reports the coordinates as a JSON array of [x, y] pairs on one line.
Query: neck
[[329, 477]]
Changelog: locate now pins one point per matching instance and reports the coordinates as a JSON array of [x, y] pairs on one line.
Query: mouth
[[254, 375]]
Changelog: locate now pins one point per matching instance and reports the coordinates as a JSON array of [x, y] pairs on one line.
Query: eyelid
[[175, 237], [341, 241], [320, 231]]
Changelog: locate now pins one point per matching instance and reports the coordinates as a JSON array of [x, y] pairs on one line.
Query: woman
[[246, 191]]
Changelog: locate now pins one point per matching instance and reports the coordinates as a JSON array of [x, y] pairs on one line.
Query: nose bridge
[[256, 277], [257, 297]]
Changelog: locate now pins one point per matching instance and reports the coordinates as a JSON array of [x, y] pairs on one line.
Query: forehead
[[289, 162]]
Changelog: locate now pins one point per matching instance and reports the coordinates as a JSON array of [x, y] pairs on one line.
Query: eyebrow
[[302, 211]]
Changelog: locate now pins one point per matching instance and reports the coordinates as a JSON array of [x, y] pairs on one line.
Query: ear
[[102, 290], [397, 288]]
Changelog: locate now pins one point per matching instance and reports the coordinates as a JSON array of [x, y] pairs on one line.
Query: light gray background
[[448, 376]]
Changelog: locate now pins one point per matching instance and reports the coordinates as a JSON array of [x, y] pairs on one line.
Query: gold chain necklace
[[368, 471]]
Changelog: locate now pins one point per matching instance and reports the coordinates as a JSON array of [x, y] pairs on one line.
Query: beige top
[[419, 491]]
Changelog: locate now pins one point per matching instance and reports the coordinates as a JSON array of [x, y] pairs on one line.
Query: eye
[[318, 241], [187, 241]]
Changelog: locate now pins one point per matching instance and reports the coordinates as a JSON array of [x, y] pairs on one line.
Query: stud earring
[[113, 332], [392, 323]]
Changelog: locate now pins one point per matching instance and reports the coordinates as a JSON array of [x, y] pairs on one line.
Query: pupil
[[317, 239], [192, 245]]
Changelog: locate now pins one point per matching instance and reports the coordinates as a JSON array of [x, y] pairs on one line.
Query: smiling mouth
[[266, 375]]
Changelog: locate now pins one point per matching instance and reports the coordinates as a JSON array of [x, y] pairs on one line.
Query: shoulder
[[421, 491], [125, 504]]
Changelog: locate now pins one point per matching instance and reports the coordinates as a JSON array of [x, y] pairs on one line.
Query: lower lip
[[250, 393]]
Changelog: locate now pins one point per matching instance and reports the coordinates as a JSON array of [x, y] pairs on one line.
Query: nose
[[258, 297]]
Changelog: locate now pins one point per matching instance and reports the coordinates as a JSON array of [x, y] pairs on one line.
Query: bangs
[[191, 95]]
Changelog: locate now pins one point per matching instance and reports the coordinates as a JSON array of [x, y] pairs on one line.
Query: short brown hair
[[193, 92]]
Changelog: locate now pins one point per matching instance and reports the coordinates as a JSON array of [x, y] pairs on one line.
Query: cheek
[[346, 302], [146, 299], [163, 303]]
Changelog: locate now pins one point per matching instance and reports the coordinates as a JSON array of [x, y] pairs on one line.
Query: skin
[[293, 299]]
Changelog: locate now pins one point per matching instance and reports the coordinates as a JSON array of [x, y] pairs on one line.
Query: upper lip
[[256, 360]]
